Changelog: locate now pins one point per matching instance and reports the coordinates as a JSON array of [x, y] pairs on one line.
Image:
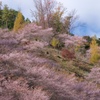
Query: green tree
[[94, 55], [27, 20], [5, 16], [18, 22], [56, 21], [12, 17], [0, 14], [0, 17], [0, 5]]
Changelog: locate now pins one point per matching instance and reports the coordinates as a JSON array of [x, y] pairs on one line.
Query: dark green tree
[[5, 16], [12, 17], [27, 20], [0, 14], [0, 5]]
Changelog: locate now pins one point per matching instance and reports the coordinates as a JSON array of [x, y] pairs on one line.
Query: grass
[[80, 68]]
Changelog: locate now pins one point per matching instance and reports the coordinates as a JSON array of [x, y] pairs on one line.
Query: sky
[[87, 10]]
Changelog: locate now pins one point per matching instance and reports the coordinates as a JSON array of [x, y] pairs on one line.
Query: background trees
[[8, 16], [48, 13], [0, 13], [27, 20], [5, 16]]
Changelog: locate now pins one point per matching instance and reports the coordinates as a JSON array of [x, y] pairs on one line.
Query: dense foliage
[[8, 16], [40, 64], [32, 70]]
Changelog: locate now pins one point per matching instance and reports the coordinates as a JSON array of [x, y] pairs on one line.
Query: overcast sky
[[87, 10]]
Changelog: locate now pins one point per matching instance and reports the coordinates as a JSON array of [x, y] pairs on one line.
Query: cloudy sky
[[87, 10]]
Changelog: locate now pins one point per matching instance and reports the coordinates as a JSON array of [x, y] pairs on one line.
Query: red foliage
[[67, 54]]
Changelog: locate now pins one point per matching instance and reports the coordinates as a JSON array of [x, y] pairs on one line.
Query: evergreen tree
[[0, 14], [5, 16], [12, 17], [27, 20], [0, 5], [94, 51], [18, 22], [0, 17]]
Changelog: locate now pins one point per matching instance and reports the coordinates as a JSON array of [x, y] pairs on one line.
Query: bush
[[80, 48], [98, 41], [56, 43], [67, 54], [87, 38]]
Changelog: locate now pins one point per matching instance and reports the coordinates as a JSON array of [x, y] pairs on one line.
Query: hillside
[[31, 69]]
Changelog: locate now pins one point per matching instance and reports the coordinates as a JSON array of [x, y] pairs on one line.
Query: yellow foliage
[[18, 22], [55, 42], [94, 57], [77, 48]]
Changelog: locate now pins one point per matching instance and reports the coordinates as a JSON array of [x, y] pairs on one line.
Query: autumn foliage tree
[[94, 55], [18, 22], [56, 21]]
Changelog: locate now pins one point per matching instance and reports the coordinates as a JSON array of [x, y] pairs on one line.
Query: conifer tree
[[94, 51], [5, 15], [18, 22]]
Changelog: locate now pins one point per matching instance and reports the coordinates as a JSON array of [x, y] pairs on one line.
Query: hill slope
[[30, 69]]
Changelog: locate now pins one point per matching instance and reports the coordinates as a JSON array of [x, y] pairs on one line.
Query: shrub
[[55, 42], [87, 38], [98, 41], [81, 49], [67, 54]]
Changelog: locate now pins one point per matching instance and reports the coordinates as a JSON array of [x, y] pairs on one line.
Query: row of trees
[[47, 13], [8, 16]]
